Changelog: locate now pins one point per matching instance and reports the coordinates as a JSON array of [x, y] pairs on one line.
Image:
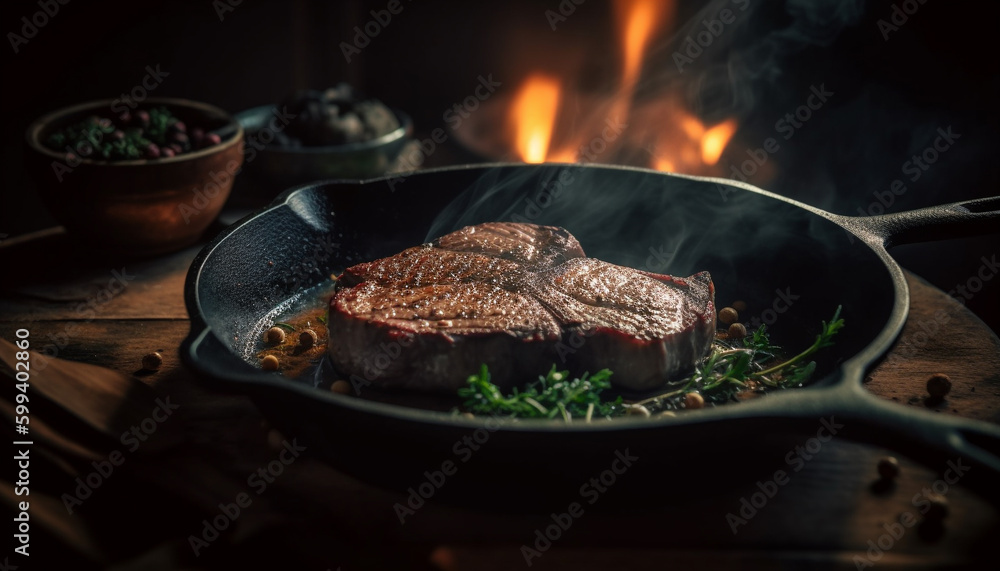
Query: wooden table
[[144, 510]]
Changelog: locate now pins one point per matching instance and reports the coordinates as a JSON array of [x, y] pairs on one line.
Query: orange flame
[[674, 139], [715, 140], [640, 19], [682, 143], [534, 112]]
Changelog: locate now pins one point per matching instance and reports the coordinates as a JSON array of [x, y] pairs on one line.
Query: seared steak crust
[[517, 297]]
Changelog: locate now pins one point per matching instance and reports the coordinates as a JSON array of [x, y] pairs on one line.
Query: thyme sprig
[[553, 395], [729, 369]]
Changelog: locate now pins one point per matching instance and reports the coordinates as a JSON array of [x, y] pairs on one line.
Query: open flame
[[660, 132], [640, 19], [533, 115]]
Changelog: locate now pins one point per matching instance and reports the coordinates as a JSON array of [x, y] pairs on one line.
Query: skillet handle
[[956, 220]]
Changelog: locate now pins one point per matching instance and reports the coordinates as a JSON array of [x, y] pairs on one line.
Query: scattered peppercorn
[[694, 400], [637, 410], [152, 361], [274, 336], [888, 468], [341, 387], [269, 363], [938, 508], [737, 331], [728, 315], [308, 338], [939, 385], [740, 305], [275, 439]]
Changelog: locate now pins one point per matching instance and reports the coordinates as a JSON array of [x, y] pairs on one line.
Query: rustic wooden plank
[[115, 344], [74, 283], [942, 336], [107, 401], [497, 558]]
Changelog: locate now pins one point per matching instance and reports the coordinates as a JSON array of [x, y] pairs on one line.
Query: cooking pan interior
[[792, 266]]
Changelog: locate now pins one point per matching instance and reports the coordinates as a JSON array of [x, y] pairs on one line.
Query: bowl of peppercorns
[[142, 180]]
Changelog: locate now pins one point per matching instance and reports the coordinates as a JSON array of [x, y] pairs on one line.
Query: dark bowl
[[143, 207], [283, 167]]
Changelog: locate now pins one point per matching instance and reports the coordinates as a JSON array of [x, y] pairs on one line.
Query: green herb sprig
[[734, 367], [553, 395], [729, 369]]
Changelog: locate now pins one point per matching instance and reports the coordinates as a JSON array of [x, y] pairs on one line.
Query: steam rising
[[754, 246], [750, 52], [638, 218]]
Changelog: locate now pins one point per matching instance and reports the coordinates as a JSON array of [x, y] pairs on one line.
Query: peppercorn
[[269, 363], [694, 400], [888, 468], [728, 315], [152, 361], [308, 338], [939, 385], [178, 137], [274, 336], [737, 331], [637, 410], [938, 508], [341, 387]]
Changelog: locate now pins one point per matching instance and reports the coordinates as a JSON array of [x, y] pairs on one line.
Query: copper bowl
[[143, 207]]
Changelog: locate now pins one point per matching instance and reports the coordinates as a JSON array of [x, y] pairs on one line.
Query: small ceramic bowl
[[144, 207]]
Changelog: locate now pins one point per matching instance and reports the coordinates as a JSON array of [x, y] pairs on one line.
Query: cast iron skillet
[[755, 244]]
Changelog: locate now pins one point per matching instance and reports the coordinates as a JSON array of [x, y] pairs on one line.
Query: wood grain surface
[[205, 452]]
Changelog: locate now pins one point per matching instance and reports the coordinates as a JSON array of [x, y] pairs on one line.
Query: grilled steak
[[517, 297]]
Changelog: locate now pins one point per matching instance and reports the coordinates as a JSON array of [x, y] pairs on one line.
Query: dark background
[[938, 70]]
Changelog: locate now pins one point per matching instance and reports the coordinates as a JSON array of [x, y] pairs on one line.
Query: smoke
[[727, 53], [752, 244]]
